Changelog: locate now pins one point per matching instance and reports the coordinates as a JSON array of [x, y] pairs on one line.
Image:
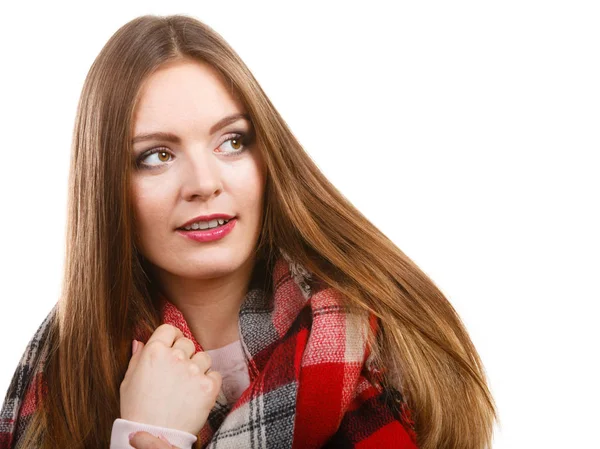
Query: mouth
[[207, 226], [214, 232]]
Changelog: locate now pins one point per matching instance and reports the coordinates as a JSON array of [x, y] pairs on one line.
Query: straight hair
[[423, 348]]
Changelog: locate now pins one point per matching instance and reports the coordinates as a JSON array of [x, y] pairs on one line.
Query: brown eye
[[154, 158], [236, 143]]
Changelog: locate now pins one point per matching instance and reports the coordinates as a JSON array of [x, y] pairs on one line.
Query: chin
[[210, 267], [196, 272], [203, 263]]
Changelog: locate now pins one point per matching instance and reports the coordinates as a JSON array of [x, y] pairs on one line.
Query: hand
[[166, 384], [145, 440]]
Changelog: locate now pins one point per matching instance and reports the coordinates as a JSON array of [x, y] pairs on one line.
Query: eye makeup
[[246, 139]]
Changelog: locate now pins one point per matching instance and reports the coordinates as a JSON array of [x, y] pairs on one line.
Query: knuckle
[[204, 358], [186, 340], [194, 369], [169, 328], [173, 329], [154, 348], [178, 354], [211, 384], [217, 378]]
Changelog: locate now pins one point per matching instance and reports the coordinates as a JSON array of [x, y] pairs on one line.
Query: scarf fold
[[308, 363]]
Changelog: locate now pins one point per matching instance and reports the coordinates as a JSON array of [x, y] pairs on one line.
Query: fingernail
[[134, 346], [164, 439], [131, 435]]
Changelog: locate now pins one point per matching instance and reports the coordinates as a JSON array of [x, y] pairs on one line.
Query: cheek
[[258, 179], [245, 183], [147, 207], [252, 191]]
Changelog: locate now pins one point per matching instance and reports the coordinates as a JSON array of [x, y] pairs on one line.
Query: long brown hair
[[423, 349]]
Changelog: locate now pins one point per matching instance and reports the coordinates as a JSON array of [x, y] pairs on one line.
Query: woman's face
[[195, 168]]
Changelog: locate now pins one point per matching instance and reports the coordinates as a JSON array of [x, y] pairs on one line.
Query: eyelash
[[234, 135]]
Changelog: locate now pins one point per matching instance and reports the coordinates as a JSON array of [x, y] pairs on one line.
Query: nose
[[201, 176]]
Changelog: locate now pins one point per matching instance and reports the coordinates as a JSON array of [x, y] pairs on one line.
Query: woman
[[285, 320]]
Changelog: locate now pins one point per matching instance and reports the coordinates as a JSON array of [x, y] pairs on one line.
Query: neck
[[210, 306]]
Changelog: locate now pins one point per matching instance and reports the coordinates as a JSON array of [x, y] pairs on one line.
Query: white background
[[468, 132]]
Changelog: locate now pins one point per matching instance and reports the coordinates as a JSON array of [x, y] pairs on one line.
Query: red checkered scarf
[[307, 359]]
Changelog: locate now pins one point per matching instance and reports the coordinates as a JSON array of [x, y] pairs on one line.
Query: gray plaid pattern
[[29, 366], [247, 426]]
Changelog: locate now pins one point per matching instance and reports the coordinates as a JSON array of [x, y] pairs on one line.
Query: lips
[[191, 229], [206, 218], [209, 235]]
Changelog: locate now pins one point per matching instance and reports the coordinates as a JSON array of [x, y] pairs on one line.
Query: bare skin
[[203, 173], [167, 385], [145, 440], [193, 167]]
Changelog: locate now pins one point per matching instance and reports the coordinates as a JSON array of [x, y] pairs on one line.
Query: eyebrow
[[170, 137]]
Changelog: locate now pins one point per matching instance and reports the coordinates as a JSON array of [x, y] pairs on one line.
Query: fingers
[[165, 333], [168, 336], [216, 378], [145, 440], [203, 360], [211, 381], [186, 346], [172, 337]]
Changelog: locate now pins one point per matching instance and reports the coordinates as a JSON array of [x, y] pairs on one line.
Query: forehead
[[182, 95]]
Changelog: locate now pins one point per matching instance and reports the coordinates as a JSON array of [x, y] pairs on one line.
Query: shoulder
[[27, 383]]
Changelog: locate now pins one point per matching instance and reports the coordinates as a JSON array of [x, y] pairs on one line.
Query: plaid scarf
[[309, 369]]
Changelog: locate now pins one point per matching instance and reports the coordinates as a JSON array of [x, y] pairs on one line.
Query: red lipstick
[[208, 235], [205, 218]]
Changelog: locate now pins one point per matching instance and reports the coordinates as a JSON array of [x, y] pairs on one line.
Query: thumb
[[140, 345], [135, 356], [145, 440]]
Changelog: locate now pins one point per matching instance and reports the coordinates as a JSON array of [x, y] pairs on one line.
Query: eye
[[239, 142], [161, 156]]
